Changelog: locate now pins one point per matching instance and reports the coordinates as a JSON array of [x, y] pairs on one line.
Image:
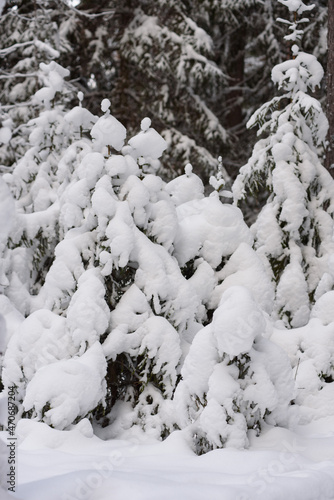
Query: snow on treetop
[[298, 74], [80, 117], [148, 143], [105, 105], [188, 169], [108, 131], [294, 49], [145, 124], [54, 67], [210, 229], [186, 187], [296, 6]]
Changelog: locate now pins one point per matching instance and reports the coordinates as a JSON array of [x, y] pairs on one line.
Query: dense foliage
[[199, 69]]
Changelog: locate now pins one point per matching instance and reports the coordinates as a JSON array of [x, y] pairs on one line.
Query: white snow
[[72, 465], [80, 117], [145, 124], [105, 105], [245, 268], [54, 75], [323, 308], [88, 313], [185, 187], [148, 143], [7, 213], [108, 131], [80, 386], [300, 73], [5, 135], [296, 5], [168, 287], [209, 229], [237, 322]]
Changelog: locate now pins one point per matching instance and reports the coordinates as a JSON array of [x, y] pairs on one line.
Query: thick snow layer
[[108, 131], [148, 143], [88, 313], [280, 464], [80, 387], [5, 135], [209, 229], [54, 78], [237, 322], [80, 117], [245, 268], [296, 5], [185, 187], [40, 340], [311, 351], [298, 74], [323, 308]]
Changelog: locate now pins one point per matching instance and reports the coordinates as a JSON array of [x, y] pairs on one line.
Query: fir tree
[[101, 203], [117, 295], [293, 230], [231, 382], [33, 183], [160, 44], [30, 34]]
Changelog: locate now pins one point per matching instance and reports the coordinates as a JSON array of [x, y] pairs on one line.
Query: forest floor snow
[[76, 465]]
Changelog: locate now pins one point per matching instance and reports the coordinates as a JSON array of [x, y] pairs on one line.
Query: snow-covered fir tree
[[7, 209], [129, 272], [108, 263], [293, 232], [158, 43], [233, 378], [32, 32], [151, 303], [33, 182]]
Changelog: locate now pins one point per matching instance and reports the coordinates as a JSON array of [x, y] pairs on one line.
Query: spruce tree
[[161, 44], [30, 35], [233, 379], [104, 265], [33, 183], [293, 230]]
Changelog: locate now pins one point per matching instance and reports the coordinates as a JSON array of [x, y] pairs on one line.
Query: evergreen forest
[[167, 239]]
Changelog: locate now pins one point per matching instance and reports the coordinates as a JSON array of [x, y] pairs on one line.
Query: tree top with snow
[[296, 6]]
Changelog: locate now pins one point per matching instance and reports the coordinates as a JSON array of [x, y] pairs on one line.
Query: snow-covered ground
[[75, 465]]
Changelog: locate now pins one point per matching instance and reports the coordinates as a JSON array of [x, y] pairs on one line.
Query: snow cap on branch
[[53, 75], [108, 131], [298, 74], [296, 6]]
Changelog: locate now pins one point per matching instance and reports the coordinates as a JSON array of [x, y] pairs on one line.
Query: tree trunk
[[330, 89], [236, 71]]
